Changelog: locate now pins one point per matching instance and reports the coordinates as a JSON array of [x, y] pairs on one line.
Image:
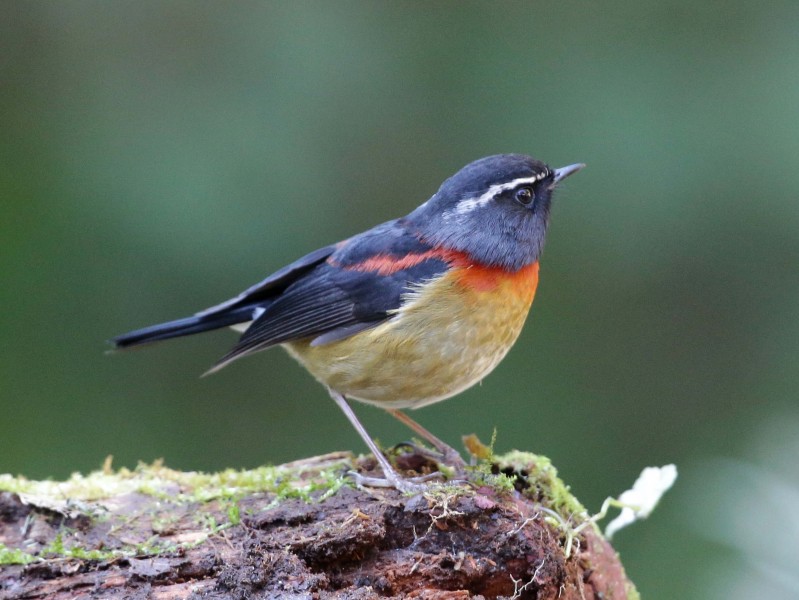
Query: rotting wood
[[302, 531]]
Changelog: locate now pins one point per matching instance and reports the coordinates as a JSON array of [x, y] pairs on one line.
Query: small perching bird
[[410, 312]]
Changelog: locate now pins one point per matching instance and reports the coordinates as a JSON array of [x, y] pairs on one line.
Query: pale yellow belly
[[444, 340]]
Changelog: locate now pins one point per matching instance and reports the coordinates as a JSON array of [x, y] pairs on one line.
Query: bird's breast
[[446, 336]]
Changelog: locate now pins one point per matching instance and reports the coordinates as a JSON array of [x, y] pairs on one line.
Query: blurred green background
[[157, 158]]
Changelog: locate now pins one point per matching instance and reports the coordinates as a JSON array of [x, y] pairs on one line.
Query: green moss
[[233, 514], [14, 556], [545, 485], [560, 507], [481, 476], [155, 547], [55, 547], [150, 494], [230, 508], [324, 485], [58, 549], [176, 486], [96, 555]]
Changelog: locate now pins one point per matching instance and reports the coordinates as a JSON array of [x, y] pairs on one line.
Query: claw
[[406, 485]]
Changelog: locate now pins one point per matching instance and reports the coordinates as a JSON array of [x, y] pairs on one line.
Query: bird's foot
[[406, 485]]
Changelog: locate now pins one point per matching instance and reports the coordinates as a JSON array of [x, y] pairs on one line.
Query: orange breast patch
[[488, 279]]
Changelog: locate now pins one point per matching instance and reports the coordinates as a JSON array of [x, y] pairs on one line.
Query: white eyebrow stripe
[[468, 205]]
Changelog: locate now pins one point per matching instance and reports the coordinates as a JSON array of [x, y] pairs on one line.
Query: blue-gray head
[[495, 209]]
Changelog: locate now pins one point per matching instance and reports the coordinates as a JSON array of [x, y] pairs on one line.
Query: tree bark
[[303, 530]]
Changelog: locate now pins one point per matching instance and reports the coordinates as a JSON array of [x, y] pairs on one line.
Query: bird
[[410, 312]]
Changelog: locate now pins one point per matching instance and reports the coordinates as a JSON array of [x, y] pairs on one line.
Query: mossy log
[[303, 530]]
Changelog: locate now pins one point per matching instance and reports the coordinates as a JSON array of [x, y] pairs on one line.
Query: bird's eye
[[524, 196]]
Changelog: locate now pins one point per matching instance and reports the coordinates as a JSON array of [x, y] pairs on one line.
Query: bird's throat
[[522, 282]]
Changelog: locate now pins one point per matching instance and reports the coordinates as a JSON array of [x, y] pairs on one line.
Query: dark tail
[[181, 327]]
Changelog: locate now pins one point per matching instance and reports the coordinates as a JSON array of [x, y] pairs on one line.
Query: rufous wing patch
[[386, 264]]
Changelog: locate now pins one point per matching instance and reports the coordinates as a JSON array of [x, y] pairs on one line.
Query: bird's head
[[495, 209]]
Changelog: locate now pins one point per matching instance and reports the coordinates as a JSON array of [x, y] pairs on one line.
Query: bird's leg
[[450, 456], [392, 478]]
